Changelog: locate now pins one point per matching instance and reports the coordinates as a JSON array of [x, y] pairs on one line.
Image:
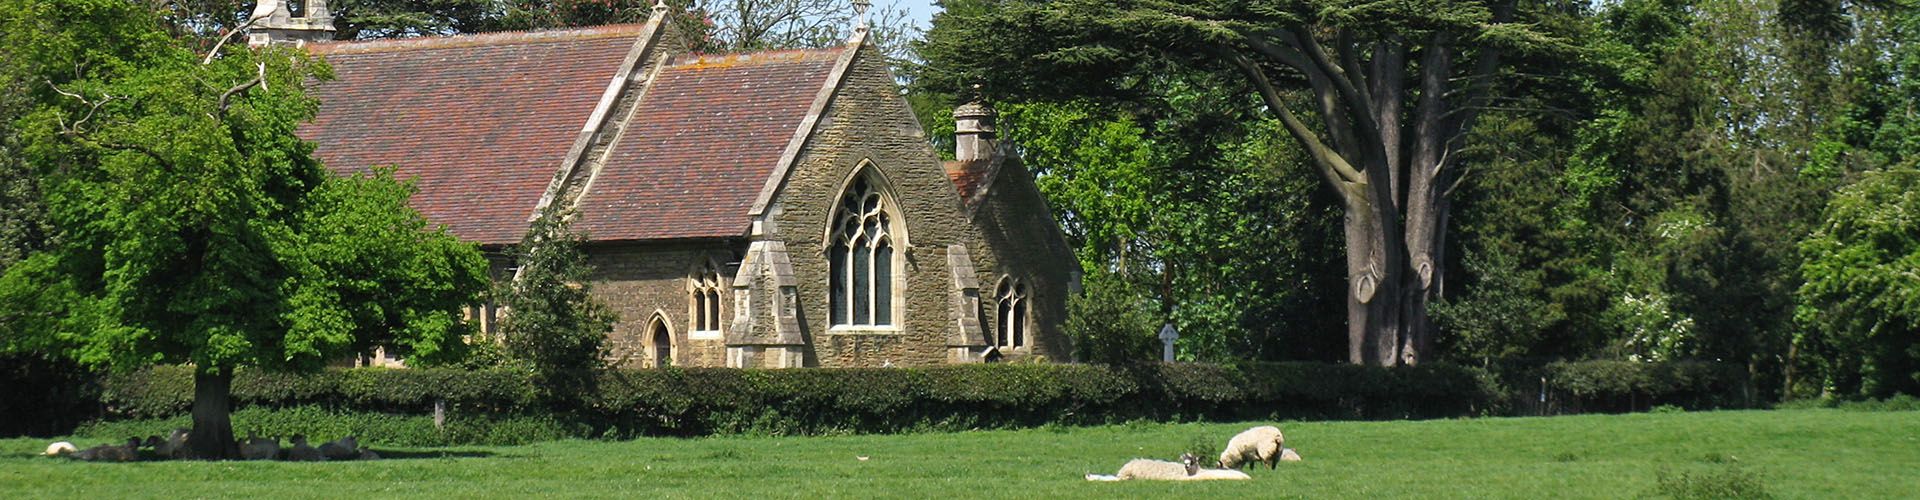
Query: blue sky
[[920, 10]]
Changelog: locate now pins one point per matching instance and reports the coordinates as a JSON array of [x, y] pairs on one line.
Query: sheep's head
[[1192, 462]]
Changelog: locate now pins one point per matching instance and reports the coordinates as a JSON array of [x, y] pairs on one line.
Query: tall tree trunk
[[212, 436]]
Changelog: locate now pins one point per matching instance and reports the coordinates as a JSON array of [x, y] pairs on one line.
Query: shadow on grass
[[410, 455]]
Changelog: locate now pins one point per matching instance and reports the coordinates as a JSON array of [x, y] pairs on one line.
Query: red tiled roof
[[970, 177], [481, 122], [702, 145]]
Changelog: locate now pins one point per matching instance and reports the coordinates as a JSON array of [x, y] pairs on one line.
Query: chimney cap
[[974, 109]]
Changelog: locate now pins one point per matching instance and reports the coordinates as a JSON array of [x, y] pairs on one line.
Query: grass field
[[1786, 453]]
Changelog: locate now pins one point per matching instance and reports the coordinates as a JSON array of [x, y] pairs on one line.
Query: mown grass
[[1810, 453]]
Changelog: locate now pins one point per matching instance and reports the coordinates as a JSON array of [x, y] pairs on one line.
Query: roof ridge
[[756, 56], [476, 39]]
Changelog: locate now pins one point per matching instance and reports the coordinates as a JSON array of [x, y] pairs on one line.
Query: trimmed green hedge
[[832, 401], [1622, 386]]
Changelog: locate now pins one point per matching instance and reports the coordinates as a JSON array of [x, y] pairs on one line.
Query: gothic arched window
[[1010, 314], [860, 258], [703, 298]]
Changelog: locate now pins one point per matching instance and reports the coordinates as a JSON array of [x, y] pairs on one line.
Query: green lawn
[[1790, 453]]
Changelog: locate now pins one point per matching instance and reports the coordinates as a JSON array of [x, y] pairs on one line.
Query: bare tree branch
[[229, 36], [1332, 166]]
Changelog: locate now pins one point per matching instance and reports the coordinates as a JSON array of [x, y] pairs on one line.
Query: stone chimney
[[290, 22], [973, 132]]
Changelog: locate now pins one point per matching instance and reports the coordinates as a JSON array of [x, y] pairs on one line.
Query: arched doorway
[[662, 343]]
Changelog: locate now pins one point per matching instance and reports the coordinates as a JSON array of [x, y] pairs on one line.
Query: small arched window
[[662, 342], [703, 298], [1011, 314], [860, 258]]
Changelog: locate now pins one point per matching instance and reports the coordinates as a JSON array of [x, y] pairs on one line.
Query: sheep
[[1187, 469], [302, 452], [60, 449], [1288, 455], [346, 448], [175, 446], [259, 448], [1259, 444], [111, 452]]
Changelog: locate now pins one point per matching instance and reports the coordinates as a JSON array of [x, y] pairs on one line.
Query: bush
[[44, 396], [700, 401], [1618, 386], [375, 429]]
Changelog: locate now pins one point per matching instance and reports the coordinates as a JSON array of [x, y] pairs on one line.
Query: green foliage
[[374, 429], [1861, 301], [1199, 207], [195, 226], [1110, 323], [555, 327], [45, 396], [1612, 386], [837, 401]]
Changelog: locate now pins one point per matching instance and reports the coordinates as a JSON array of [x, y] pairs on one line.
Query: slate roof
[[481, 122], [706, 137]]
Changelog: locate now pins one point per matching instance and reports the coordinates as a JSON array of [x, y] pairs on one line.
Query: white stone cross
[[1167, 336]]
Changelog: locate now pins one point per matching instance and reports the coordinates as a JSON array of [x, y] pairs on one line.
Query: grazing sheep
[[1187, 469], [366, 454], [302, 452], [259, 448], [1259, 444], [346, 448], [60, 449]]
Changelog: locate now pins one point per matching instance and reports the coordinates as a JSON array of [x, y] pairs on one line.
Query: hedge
[[1622, 386], [700, 401]]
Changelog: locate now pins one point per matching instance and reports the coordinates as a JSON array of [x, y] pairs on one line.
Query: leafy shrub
[[700, 401], [1616, 386], [44, 396], [375, 429]]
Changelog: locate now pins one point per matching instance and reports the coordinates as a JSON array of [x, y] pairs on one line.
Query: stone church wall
[[869, 121], [640, 280]]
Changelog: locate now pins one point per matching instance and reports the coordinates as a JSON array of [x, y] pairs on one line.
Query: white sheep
[[1187, 469], [1259, 444], [60, 449]]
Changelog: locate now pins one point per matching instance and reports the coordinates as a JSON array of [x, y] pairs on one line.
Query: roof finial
[[860, 14], [660, 5]]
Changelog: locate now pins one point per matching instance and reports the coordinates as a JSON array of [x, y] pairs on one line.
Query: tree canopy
[[195, 227]]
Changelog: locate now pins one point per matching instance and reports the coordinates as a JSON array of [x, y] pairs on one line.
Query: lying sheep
[[1259, 444], [111, 452], [302, 452], [175, 446], [1187, 469], [60, 449], [259, 448], [346, 448]]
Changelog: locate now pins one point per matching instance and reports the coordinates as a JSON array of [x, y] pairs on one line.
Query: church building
[[763, 209]]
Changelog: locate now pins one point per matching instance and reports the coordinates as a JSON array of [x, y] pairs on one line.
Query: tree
[[1861, 299], [1390, 88], [195, 227], [553, 325]]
